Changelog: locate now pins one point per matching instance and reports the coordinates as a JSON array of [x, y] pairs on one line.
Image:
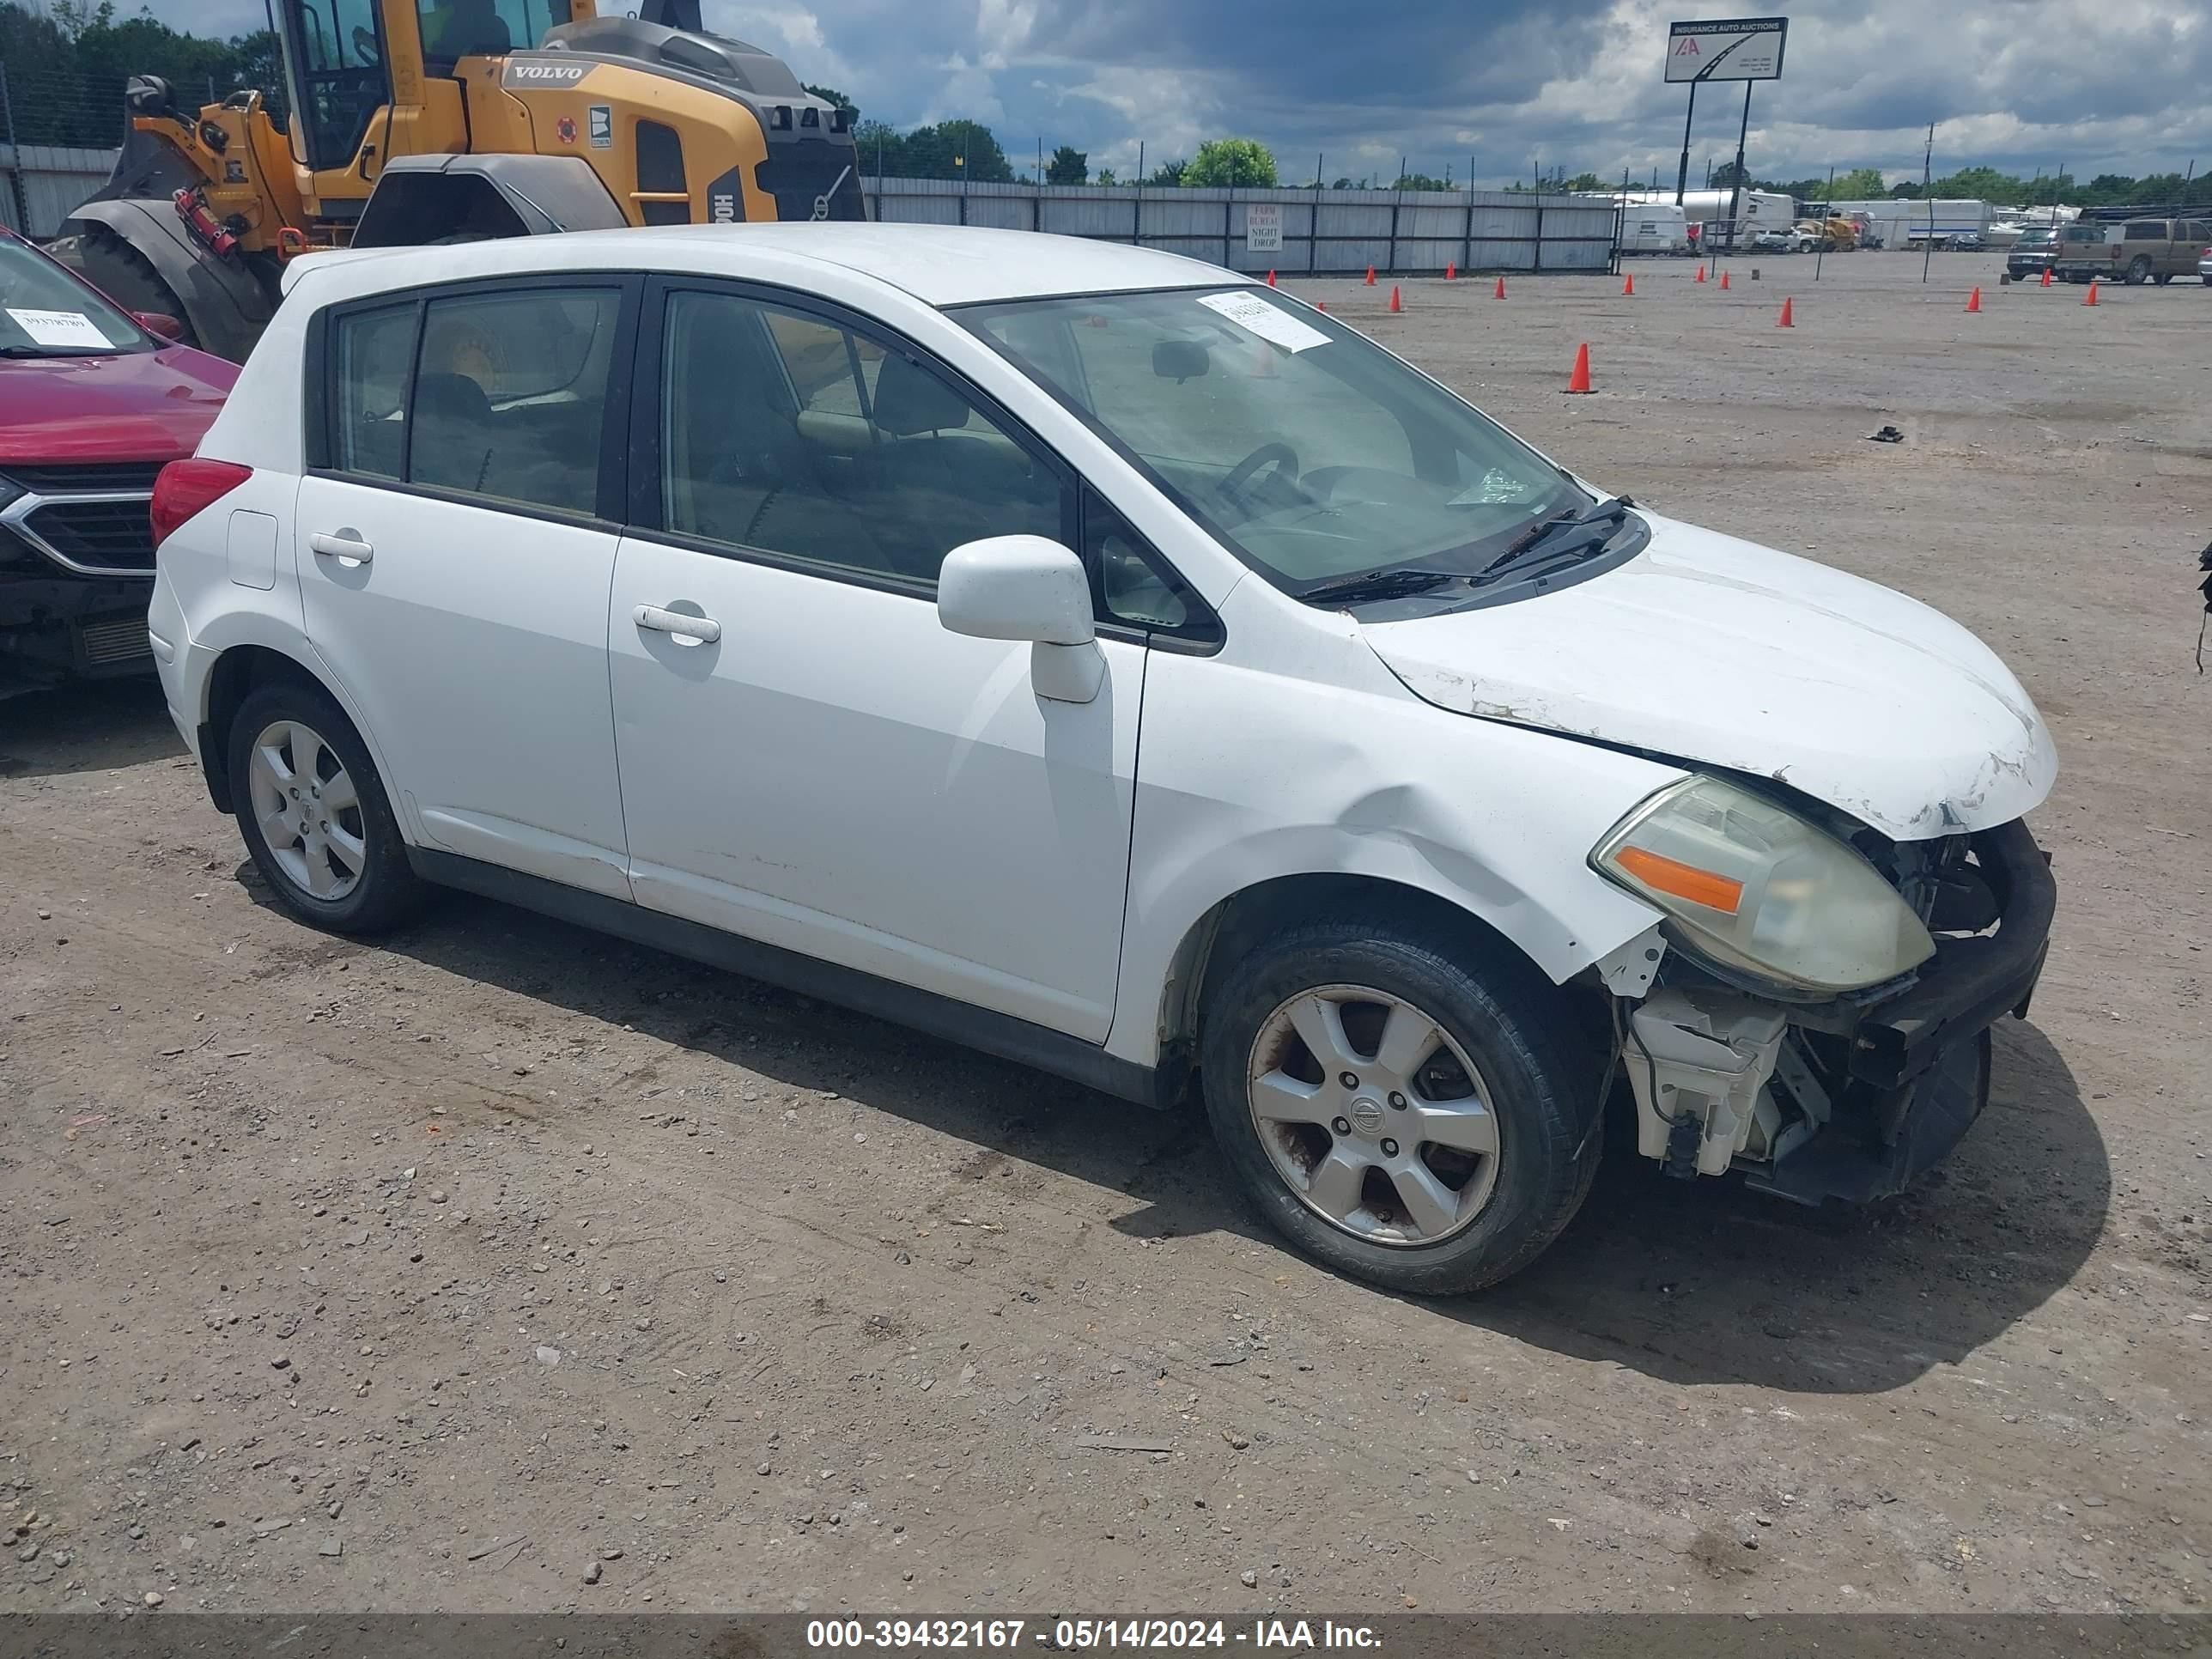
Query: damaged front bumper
[[1847, 1100]]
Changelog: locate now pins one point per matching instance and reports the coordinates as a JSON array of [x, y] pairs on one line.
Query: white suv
[[1101, 660]]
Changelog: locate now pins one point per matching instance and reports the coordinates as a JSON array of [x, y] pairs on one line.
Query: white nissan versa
[[1089, 655]]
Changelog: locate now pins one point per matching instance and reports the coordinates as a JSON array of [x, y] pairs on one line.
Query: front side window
[[1314, 454], [510, 395], [337, 54], [784, 433]]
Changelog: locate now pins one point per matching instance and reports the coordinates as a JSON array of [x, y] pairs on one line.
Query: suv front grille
[[104, 535], [59, 479]]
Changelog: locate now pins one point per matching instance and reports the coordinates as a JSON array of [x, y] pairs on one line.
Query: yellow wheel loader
[[421, 121]]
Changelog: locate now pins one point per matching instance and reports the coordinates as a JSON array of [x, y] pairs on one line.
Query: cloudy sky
[[2121, 86]]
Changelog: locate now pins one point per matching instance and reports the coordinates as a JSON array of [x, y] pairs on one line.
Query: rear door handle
[[342, 544], [686, 628]]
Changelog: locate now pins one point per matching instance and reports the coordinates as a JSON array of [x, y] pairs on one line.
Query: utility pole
[[1927, 181], [1742, 133]]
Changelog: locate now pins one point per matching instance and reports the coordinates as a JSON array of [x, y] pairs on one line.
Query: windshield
[[1314, 454], [46, 312]]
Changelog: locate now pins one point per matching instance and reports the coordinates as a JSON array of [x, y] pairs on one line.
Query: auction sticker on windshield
[[59, 328], [1250, 311]]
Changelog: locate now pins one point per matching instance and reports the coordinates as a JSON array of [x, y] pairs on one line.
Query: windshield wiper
[[1610, 511], [56, 352], [1379, 585]]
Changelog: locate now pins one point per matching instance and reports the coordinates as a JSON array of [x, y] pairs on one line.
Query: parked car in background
[[2138, 250], [1102, 658], [1775, 240], [2031, 255], [93, 402], [2204, 266]]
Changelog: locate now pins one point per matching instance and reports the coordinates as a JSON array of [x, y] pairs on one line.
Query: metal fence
[[1323, 231], [41, 185]]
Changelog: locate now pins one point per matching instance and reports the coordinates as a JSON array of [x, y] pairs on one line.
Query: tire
[[381, 891], [1504, 1037], [2163, 278], [124, 276], [2138, 269]]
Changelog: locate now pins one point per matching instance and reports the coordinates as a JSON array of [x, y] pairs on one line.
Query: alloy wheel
[[1373, 1114], [307, 810]]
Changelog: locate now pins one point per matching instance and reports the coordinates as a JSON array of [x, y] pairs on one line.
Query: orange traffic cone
[[1782, 321], [1974, 300], [1500, 293], [1701, 273], [1271, 279], [2090, 298], [1580, 380], [1370, 275], [2046, 275], [1724, 279], [1394, 304], [1628, 286], [1451, 270]]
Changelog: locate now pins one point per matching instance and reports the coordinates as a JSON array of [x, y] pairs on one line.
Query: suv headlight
[[1758, 887]]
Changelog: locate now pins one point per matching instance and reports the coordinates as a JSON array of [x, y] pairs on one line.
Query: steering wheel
[[364, 43], [1236, 488]]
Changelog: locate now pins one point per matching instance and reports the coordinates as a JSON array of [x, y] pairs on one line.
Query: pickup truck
[[2141, 250]]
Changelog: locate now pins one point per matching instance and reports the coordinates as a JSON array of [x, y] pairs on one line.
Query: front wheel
[[314, 814], [1405, 1105]]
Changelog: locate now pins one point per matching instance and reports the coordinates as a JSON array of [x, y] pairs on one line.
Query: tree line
[[67, 66]]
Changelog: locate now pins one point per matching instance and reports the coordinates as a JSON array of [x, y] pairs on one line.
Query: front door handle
[[345, 544], [686, 628]]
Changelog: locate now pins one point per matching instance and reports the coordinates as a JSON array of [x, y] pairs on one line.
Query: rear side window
[[373, 359], [510, 395], [2194, 231]]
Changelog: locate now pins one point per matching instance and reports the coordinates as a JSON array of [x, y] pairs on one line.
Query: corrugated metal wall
[[41, 185], [1327, 231]]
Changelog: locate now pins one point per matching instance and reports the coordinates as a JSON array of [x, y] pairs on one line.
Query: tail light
[[185, 488]]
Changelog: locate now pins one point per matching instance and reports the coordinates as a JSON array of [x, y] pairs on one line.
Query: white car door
[[809, 758], [454, 559]]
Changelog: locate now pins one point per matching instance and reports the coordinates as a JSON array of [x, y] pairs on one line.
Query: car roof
[[938, 264]]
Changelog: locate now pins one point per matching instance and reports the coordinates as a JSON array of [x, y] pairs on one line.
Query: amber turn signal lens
[[1684, 881]]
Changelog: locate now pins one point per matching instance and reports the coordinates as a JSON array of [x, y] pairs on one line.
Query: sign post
[[1744, 49]]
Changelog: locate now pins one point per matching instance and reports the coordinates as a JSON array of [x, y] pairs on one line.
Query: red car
[[93, 401]]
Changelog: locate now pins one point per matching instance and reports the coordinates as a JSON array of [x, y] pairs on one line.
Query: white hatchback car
[[1094, 656]]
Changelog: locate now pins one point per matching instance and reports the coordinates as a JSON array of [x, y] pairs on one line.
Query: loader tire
[[124, 276]]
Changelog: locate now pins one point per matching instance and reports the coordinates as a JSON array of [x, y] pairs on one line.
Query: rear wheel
[[2164, 278], [2138, 269], [314, 814], [1404, 1107], [124, 274]]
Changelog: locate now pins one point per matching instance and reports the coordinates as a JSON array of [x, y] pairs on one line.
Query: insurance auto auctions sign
[[1727, 49]]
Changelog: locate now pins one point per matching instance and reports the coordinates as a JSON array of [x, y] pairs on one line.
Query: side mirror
[[1027, 587], [158, 322]]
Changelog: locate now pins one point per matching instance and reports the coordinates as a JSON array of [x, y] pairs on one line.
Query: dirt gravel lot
[[448, 1272]]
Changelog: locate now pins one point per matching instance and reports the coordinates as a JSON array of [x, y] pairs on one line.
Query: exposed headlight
[[1758, 887]]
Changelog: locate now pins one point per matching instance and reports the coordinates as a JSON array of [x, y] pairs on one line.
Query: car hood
[[134, 406], [1716, 651]]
